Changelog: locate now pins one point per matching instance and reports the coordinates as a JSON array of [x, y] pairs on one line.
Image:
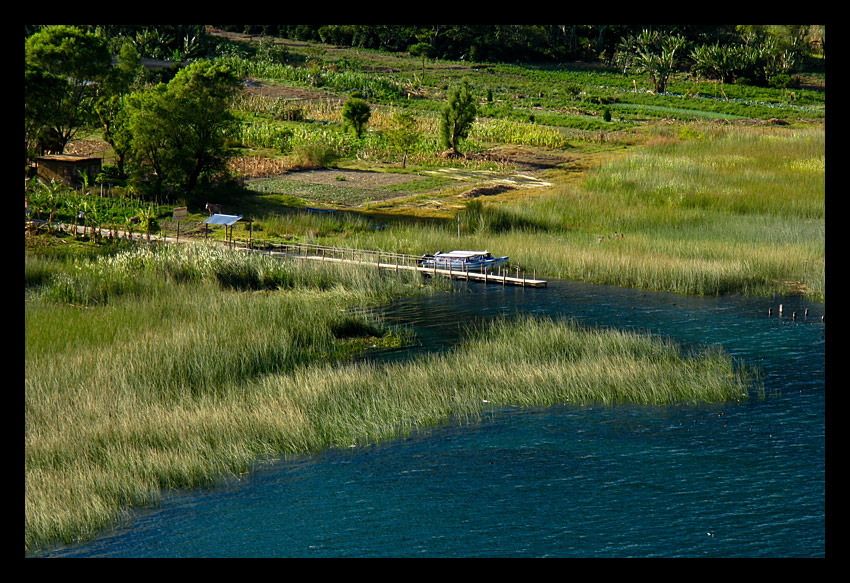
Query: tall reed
[[183, 378], [735, 210]]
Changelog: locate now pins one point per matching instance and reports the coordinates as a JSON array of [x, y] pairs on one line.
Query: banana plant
[[130, 222], [95, 214], [84, 211], [147, 219], [52, 198], [70, 207]]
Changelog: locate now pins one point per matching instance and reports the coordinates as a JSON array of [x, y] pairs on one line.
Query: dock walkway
[[398, 261], [380, 259]]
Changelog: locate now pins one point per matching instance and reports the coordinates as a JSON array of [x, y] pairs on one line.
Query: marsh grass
[[178, 381], [136, 364], [706, 211]]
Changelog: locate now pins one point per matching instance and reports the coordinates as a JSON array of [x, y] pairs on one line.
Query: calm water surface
[[727, 480]]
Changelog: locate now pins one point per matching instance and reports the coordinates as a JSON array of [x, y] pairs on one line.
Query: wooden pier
[[380, 259], [398, 261]]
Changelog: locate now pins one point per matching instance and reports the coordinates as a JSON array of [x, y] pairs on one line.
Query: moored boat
[[462, 260]]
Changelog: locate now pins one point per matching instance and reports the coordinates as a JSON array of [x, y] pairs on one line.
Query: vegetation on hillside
[[296, 105], [70, 66]]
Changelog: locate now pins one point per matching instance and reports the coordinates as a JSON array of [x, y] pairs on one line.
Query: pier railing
[[382, 259], [390, 260], [309, 250]]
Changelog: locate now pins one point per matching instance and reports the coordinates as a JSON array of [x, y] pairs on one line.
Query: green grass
[[194, 364], [705, 210], [154, 369]]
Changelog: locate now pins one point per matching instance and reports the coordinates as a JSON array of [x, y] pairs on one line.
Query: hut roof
[[218, 219]]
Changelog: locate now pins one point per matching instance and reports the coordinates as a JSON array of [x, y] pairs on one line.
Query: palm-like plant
[[147, 219], [50, 199], [653, 53]]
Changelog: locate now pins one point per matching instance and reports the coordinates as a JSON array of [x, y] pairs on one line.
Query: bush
[[784, 81], [356, 113], [314, 153]]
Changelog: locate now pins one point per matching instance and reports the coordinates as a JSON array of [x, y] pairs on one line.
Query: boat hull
[[463, 261]]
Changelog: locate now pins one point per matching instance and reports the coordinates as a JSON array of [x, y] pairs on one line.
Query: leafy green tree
[[81, 60], [179, 130], [42, 98], [404, 135], [457, 117], [422, 49], [109, 108], [356, 113], [150, 127], [203, 93]]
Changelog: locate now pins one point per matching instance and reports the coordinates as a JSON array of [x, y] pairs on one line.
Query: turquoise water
[[725, 480]]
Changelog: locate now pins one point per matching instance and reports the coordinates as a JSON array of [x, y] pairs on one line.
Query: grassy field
[[719, 211], [155, 368], [150, 369], [711, 188], [705, 196]]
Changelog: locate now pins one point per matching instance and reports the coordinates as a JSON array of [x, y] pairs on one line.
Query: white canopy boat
[[462, 260]]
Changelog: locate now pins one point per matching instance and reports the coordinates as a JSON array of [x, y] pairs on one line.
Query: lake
[[741, 479]]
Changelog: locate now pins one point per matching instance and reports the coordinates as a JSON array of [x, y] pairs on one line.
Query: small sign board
[[180, 213]]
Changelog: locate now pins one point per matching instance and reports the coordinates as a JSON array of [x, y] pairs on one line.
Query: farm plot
[[334, 186]]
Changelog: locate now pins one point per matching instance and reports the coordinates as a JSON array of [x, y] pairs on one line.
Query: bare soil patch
[[524, 158], [86, 148]]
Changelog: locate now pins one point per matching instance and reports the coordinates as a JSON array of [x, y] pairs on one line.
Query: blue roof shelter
[[226, 220]]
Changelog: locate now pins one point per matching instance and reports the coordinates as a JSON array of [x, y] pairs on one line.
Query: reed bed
[[718, 211], [182, 378]]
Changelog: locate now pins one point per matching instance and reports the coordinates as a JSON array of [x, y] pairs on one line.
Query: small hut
[[68, 169], [227, 221]]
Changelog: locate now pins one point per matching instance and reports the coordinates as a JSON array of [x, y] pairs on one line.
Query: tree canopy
[[527, 42], [64, 67], [179, 130]]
